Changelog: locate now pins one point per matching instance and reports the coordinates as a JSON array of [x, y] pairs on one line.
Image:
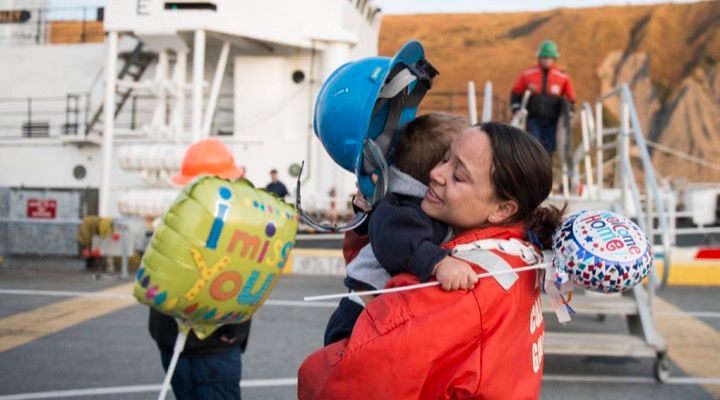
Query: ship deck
[[100, 348]]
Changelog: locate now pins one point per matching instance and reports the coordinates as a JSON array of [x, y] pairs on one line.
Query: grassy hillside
[[498, 47]]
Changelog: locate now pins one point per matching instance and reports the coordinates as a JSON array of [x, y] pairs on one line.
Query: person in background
[[208, 369], [549, 87], [275, 186]]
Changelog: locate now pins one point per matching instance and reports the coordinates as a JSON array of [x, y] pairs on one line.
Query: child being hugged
[[402, 236]]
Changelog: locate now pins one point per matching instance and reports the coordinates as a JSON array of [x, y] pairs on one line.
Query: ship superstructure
[[170, 73]]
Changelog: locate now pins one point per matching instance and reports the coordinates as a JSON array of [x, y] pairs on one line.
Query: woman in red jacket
[[483, 343]]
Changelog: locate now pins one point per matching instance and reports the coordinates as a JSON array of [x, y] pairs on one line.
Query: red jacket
[[430, 344], [352, 244], [547, 88]]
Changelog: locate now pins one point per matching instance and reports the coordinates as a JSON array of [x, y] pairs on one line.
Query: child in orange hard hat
[[209, 368], [208, 157]]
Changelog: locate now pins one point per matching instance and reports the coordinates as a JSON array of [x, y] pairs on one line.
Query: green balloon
[[217, 254]]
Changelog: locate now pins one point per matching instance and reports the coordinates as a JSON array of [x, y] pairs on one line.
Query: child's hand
[[359, 199], [360, 202], [454, 274]]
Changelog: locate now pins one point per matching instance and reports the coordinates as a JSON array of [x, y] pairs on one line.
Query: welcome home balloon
[[217, 253], [601, 251]]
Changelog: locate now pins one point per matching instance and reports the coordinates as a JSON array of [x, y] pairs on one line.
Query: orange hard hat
[[207, 157]]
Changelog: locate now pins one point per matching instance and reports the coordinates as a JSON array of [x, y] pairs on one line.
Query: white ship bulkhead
[[280, 52]]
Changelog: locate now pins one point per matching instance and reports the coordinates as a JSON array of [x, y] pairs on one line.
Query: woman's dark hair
[[522, 171]]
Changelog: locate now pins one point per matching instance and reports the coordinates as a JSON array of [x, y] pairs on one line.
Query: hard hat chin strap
[[397, 96], [375, 162], [357, 220]]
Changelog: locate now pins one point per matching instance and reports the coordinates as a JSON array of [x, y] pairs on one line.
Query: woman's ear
[[504, 212]]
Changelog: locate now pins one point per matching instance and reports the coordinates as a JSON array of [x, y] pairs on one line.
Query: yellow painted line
[[22, 328], [695, 273], [317, 253], [692, 344], [320, 253]]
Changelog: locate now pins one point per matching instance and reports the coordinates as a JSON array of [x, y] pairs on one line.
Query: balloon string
[[179, 346], [424, 285]]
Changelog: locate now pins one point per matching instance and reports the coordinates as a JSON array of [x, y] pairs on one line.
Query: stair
[[597, 344], [136, 62]]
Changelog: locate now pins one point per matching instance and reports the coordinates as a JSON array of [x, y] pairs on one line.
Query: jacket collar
[[516, 231], [402, 183], [552, 67]]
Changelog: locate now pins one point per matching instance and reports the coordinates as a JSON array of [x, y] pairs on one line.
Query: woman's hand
[[454, 274]]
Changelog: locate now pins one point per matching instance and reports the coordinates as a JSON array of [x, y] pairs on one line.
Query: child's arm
[[405, 239], [454, 274]]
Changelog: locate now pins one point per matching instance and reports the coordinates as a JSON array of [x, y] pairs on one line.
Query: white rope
[[426, 284]]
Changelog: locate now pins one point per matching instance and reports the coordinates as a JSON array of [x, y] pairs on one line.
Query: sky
[[440, 6]]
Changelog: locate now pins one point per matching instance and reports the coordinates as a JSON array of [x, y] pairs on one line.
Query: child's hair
[[522, 171], [424, 141]]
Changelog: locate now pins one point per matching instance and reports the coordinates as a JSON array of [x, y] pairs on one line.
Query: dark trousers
[[215, 377], [342, 321], [545, 131]]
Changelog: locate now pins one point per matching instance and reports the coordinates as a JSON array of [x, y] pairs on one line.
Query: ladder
[[639, 340], [136, 62]]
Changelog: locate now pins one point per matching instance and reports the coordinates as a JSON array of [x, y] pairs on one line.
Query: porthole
[[298, 76], [79, 172]]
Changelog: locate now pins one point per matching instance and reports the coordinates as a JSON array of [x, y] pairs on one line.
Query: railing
[[457, 102], [597, 145], [54, 116], [43, 116], [652, 205], [50, 25]]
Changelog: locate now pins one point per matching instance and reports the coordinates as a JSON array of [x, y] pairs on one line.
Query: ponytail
[[543, 222]]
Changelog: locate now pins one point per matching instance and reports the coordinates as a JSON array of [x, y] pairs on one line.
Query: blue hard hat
[[362, 105]]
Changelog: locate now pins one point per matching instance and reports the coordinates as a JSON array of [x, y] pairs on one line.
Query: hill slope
[[666, 52]]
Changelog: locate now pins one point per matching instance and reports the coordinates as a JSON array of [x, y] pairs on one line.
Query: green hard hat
[[548, 48]]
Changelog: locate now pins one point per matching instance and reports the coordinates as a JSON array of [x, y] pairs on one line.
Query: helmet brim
[[230, 174]]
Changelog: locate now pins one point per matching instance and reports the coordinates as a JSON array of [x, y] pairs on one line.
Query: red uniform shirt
[[547, 89], [558, 83], [431, 344]]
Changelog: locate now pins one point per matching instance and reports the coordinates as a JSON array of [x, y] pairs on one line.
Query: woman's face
[[461, 193]]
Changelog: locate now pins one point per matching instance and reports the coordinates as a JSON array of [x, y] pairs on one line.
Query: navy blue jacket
[[163, 329], [404, 238]]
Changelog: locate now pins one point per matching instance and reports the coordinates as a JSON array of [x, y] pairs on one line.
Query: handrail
[[487, 102], [587, 136], [609, 94], [472, 103], [684, 156], [649, 170], [629, 128]]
